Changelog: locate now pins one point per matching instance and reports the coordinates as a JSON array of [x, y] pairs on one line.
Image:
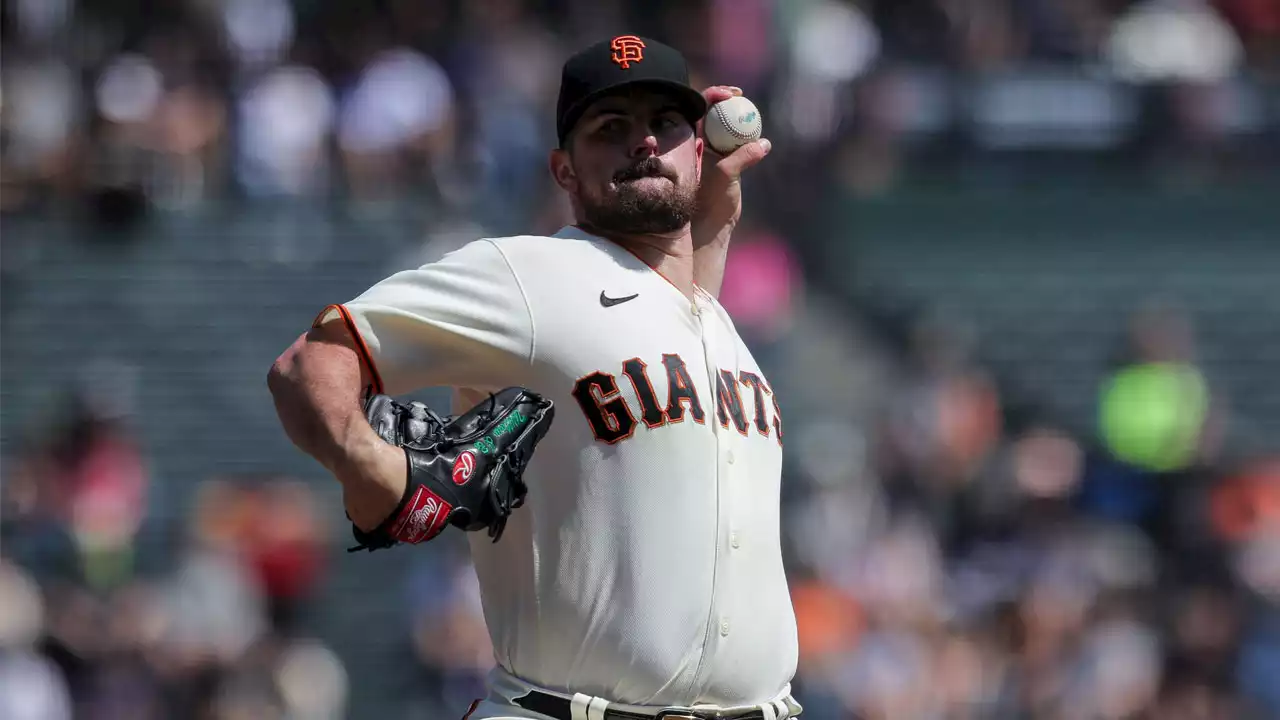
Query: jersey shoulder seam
[[524, 296]]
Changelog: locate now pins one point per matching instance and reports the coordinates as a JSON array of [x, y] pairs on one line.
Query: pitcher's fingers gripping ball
[[466, 471], [732, 123]]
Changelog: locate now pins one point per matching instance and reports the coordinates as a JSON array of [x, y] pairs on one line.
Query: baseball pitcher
[[617, 457]]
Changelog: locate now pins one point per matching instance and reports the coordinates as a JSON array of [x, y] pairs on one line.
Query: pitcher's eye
[[665, 123], [612, 129]]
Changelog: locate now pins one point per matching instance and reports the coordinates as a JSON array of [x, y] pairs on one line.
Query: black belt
[[562, 709]]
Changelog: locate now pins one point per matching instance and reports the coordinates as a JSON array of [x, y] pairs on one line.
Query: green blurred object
[[1151, 414], [107, 568]]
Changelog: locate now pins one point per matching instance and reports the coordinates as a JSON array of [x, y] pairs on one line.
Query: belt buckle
[[677, 714]]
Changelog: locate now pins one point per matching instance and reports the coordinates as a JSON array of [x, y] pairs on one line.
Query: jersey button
[[724, 628], [733, 540], [730, 458], [693, 308]]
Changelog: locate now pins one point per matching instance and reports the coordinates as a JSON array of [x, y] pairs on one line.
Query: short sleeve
[[462, 321]]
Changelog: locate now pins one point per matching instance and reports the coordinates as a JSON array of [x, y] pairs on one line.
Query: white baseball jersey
[[646, 564]]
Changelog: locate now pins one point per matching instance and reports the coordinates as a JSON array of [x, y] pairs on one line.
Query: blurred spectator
[[1062, 30], [276, 532], [742, 42], [31, 687], [258, 32], [842, 509], [1206, 631], [1156, 410], [1247, 502], [89, 481], [1257, 563], [282, 679], [312, 681], [945, 420], [884, 677], [105, 643], [40, 22], [761, 289], [449, 635], [830, 623], [396, 124], [33, 533], [985, 36], [831, 44], [916, 31], [213, 607], [160, 126], [287, 115], [1258, 24], [508, 66], [42, 112], [1173, 40]]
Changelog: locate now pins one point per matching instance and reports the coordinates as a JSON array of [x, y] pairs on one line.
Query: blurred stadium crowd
[[990, 511]]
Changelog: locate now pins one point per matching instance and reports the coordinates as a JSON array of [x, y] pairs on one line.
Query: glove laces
[[419, 412]]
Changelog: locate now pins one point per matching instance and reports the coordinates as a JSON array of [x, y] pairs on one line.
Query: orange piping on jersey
[[777, 416], [365, 356], [646, 264], [656, 270], [474, 704]]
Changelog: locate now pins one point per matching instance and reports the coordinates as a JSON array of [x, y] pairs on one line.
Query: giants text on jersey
[[646, 565]]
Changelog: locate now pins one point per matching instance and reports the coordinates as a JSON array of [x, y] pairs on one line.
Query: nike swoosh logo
[[607, 301]]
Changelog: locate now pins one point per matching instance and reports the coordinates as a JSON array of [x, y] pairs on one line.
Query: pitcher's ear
[[561, 166]]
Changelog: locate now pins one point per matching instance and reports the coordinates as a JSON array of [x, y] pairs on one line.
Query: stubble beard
[[631, 210]]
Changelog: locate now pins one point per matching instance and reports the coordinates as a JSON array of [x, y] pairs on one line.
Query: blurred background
[[1013, 266]]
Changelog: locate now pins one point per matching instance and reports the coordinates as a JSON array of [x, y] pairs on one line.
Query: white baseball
[[732, 123]]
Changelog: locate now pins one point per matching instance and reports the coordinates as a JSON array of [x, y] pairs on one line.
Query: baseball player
[[632, 567]]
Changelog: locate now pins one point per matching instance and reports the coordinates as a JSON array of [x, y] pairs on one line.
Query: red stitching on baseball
[[724, 120]]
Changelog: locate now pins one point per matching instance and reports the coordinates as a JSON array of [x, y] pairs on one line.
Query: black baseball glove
[[466, 471]]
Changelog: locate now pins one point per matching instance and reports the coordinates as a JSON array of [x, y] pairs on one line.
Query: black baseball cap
[[622, 61]]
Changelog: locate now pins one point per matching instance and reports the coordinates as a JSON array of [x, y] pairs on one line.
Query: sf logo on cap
[[627, 49]]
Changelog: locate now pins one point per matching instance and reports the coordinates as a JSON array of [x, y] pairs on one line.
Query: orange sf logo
[[627, 49]]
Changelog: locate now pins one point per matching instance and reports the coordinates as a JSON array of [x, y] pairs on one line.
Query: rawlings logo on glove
[[422, 518], [466, 471], [463, 467]]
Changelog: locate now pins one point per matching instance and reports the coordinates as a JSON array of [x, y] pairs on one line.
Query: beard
[[632, 210]]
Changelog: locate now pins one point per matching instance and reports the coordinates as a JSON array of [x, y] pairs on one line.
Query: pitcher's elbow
[[275, 375], [280, 373]]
